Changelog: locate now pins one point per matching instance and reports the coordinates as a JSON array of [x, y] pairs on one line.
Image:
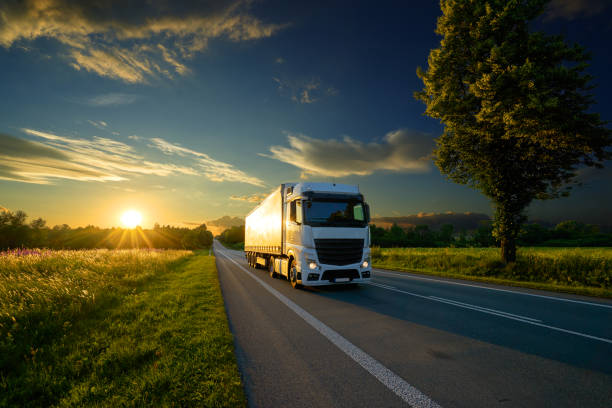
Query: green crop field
[[114, 328], [575, 270]]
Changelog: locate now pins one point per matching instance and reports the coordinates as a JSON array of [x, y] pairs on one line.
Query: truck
[[311, 234]]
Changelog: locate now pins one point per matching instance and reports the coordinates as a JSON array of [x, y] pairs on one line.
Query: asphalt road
[[411, 340]]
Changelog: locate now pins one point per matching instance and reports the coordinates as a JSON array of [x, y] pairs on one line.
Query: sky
[[188, 112]]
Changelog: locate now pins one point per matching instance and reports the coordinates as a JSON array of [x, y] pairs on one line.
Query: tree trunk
[[506, 227], [508, 249]]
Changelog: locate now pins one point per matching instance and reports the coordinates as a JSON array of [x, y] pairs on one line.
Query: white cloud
[[113, 158], [32, 162], [400, 150], [214, 170], [100, 124], [130, 42]]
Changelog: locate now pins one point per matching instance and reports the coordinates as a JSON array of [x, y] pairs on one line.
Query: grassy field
[[114, 328], [586, 271]]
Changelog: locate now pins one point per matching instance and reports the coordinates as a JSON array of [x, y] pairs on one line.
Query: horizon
[[186, 113]]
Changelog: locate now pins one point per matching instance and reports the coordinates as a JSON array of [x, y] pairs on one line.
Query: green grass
[[586, 271], [115, 328]]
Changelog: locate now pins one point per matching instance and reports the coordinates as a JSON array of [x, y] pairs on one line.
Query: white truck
[[311, 234]]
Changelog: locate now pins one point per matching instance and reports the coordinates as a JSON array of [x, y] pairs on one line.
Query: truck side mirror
[[367, 213]]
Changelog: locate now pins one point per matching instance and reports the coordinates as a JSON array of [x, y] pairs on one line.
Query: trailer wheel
[[271, 267], [293, 276]]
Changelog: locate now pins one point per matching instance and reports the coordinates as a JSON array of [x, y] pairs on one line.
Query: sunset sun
[[131, 219]]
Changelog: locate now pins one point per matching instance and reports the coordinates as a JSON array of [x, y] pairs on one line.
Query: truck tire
[[293, 276], [271, 267]]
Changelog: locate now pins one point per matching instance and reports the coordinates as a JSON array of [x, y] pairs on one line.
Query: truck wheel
[[271, 267], [293, 277]]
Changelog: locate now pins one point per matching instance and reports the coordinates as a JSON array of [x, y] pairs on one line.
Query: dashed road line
[[506, 315], [560, 299]]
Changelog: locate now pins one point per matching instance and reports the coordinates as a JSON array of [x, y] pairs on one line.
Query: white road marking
[[484, 309], [458, 304], [523, 319], [406, 276], [395, 383]]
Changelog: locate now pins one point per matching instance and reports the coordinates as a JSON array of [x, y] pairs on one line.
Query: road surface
[[407, 340]]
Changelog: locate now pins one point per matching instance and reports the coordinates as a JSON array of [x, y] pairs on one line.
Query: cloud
[[133, 42], [570, 9], [33, 162], [252, 198], [401, 150], [215, 170], [100, 124], [101, 159], [304, 91], [112, 99]]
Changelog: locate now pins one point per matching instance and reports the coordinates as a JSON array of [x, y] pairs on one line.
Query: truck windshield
[[334, 213]]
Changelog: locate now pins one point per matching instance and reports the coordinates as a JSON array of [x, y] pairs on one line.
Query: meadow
[[114, 328], [585, 271]]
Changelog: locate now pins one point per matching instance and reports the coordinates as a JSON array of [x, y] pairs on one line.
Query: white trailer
[[311, 234]]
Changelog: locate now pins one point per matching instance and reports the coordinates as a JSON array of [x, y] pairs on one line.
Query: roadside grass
[[115, 328], [583, 271]]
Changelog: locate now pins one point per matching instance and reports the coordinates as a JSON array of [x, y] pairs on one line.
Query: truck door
[[294, 222]]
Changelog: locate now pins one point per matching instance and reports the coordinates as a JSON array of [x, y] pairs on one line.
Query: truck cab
[[325, 237]]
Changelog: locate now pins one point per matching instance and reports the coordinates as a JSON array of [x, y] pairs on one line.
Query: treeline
[[232, 235], [16, 232], [564, 234]]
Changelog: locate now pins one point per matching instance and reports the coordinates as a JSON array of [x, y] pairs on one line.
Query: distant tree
[[233, 235], [38, 233], [533, 234], [483, 236], [515, 108], [445, 235]]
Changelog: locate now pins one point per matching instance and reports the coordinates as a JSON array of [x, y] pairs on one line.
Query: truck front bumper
[[334, 275]]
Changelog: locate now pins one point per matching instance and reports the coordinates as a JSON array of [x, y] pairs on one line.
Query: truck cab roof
[[304, 188]]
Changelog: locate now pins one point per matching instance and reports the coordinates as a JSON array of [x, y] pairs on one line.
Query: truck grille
[[332, 274], [339, 251]]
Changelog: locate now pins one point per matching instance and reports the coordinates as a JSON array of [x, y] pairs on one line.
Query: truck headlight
[[365, 263], [312, 265]]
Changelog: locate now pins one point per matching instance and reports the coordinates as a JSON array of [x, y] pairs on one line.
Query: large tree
[[514, 105]]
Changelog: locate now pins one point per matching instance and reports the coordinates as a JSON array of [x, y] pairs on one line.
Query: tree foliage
[[233, 235], [515, 108]]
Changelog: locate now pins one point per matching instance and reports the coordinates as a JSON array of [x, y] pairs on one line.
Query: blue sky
[[188, 112]]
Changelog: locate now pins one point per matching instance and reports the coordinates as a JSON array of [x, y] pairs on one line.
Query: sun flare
[[131, 219]]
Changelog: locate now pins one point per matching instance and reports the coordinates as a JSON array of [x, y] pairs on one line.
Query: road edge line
[[392, 381]]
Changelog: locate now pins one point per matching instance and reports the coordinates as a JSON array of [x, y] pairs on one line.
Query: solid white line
[[454, 303], [458, 304], [395, 383], [406, 276], [485, 309]]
